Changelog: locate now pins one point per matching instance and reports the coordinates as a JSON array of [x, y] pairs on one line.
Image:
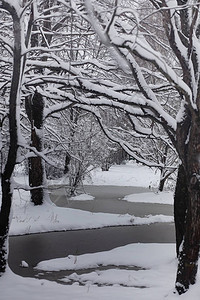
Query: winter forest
[[88, 84]]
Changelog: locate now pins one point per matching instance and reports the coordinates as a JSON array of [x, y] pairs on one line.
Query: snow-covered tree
[[53, 29], [130, 68], [126, 34], [13, 12], [144, 141], [76, 145]]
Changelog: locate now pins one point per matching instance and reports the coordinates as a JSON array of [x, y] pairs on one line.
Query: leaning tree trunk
[[161, 184], [34, 109], [165, 174], [189, 252]]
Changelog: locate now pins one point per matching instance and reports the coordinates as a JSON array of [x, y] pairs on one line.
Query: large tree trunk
[[4, 222], [13, 133], [34, 109], [189, 252]]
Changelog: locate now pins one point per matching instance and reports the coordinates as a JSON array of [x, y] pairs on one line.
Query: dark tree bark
[[180, 206], [4, 222], [164, 176], [161, 184], [188, 147], [189, 252], [67, 161], [13, 147], [34, 109]]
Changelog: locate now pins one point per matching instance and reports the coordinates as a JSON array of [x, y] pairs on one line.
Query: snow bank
[[154, 282], [140, 255], [162, 198]]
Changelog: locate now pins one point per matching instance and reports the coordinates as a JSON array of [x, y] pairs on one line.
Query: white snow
[[28, 218], [154, 282], [118, 280], [24, 264], [82, 197], [165, 197], [130, 174], [141, 255]]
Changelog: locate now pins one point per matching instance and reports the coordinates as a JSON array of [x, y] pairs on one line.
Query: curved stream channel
[[38, 247]]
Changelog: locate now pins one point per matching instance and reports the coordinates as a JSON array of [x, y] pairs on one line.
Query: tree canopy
[[140, 58]]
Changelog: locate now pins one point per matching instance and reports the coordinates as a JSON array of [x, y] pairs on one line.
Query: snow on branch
[[135, 43], [79, 80], [135, 152]]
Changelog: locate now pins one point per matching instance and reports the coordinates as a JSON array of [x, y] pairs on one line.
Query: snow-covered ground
[[154, 278], [129, 174], [30, 219]]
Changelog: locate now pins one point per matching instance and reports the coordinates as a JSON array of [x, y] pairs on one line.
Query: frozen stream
[[38, 247], [108, 200]]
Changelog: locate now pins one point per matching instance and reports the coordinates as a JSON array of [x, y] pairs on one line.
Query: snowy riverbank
[[152, 280], [154, 277], [28, 218]]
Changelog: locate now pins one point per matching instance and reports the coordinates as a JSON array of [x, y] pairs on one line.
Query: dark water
[[38, 247], [108, 200]]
